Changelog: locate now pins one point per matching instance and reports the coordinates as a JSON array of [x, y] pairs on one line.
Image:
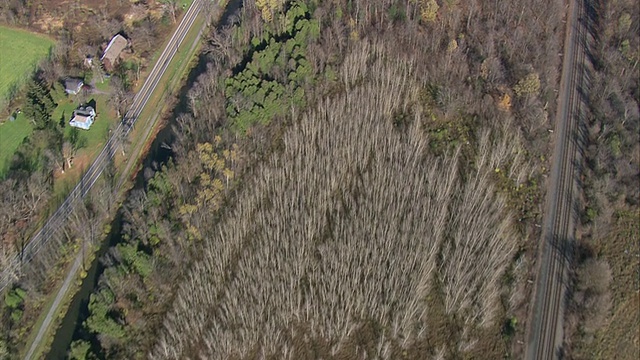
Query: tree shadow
[[92, 103]]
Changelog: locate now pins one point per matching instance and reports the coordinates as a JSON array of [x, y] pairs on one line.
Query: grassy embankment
[[163, 94], [621, 250], [139, 141]]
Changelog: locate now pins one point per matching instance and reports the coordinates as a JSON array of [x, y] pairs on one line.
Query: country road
[[56, 221], [545, 333]]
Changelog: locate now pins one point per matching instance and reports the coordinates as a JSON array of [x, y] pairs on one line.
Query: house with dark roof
[[112, 52], [73, 86], [83, 117]]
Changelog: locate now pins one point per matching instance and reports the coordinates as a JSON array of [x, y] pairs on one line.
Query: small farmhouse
[[112, 52], [83, 117], [73, 86]]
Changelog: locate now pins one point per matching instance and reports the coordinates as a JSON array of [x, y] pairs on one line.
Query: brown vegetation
[[346, 230], [386, 219], [605, 308]]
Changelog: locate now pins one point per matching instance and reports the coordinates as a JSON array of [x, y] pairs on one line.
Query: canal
[[159, 154]]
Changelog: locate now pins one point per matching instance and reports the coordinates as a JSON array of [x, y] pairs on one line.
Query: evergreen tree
[[39, 105]]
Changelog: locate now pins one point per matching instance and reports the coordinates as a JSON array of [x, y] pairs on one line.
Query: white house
[[83, 117]]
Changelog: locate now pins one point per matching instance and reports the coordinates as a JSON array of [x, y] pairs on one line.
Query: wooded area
[[345, 231], [365, 178], [314, 159]]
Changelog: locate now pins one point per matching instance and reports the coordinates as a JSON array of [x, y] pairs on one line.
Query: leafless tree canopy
[[347, 228]]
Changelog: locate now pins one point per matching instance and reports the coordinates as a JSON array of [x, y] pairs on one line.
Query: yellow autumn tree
[[208, 157], [216, 165], [529, 85], [452, 46], [268, 7], [429, 10], [505, 102]]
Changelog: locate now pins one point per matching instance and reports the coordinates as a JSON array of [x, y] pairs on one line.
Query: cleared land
[[21, 51]]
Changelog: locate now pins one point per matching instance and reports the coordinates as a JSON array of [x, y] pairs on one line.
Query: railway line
[[545, 333], [56, 221]]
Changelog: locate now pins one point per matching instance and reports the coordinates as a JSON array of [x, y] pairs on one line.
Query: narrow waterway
[[158, 155], [78, 308]]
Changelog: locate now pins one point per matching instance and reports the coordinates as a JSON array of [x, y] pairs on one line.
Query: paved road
[[57, 220], [545, 334]]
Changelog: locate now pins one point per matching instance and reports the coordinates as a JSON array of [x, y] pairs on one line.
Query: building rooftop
[[83, 114], [113, 50], [73, 84]]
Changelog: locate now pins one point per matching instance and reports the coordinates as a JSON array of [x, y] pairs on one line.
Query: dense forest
[[366, 179]]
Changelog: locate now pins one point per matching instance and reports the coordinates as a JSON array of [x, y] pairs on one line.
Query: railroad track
[[55, 223], [545, 334], [99, 164]]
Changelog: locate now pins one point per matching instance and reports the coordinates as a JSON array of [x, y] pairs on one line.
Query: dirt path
[[89, 178], [56, 304]]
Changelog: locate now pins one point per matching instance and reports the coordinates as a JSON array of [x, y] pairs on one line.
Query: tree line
[[602, 280]]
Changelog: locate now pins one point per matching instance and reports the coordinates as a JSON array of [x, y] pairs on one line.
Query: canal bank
[[157, 155]]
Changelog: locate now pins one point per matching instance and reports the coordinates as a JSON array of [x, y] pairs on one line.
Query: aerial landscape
[[308, 179]]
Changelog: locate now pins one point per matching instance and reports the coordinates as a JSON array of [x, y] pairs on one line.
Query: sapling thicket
[[346, 229]]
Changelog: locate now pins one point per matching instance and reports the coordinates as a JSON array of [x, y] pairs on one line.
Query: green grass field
[[20, 52], [12, 133]]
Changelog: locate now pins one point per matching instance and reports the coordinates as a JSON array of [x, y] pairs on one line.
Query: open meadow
[[12, 133], [21, 50]]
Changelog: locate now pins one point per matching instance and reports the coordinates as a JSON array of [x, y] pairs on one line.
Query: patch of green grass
[[102, 85], [97, 134], [12, 134], [21, 51], [63, 110], [184, 4]]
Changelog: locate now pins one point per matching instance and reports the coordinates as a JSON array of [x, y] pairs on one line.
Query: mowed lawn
[[20, 52], [12, 133]]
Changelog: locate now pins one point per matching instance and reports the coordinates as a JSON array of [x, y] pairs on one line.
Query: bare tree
[[171, 6], [119, 96], [68, 152], [335, 250]]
